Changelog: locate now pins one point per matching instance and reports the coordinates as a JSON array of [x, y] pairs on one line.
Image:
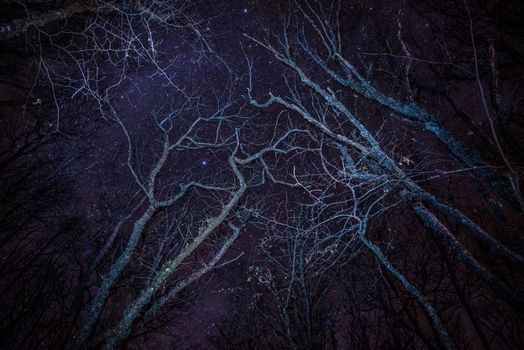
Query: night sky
[[261, 174]]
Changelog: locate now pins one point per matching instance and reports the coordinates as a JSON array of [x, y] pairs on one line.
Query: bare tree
[[311, 50], [38, 235], [91, 49], [291, 286], [161, 184], [339, 173]]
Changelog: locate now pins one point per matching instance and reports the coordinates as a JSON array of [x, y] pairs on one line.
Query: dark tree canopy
[[293, 174]]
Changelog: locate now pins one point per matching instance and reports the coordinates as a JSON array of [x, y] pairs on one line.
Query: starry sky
[[218, 65]]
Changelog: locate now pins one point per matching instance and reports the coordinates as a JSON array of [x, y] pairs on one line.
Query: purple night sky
[[291, 174]]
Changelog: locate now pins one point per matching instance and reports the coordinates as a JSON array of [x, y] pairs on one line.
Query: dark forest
[[258, 174]]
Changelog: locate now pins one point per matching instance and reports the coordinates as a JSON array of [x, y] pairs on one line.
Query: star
[[203, 162]]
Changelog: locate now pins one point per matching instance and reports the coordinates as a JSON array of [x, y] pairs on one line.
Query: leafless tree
[[91, 48], [38, 235], [333, 172], [319, 78]]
